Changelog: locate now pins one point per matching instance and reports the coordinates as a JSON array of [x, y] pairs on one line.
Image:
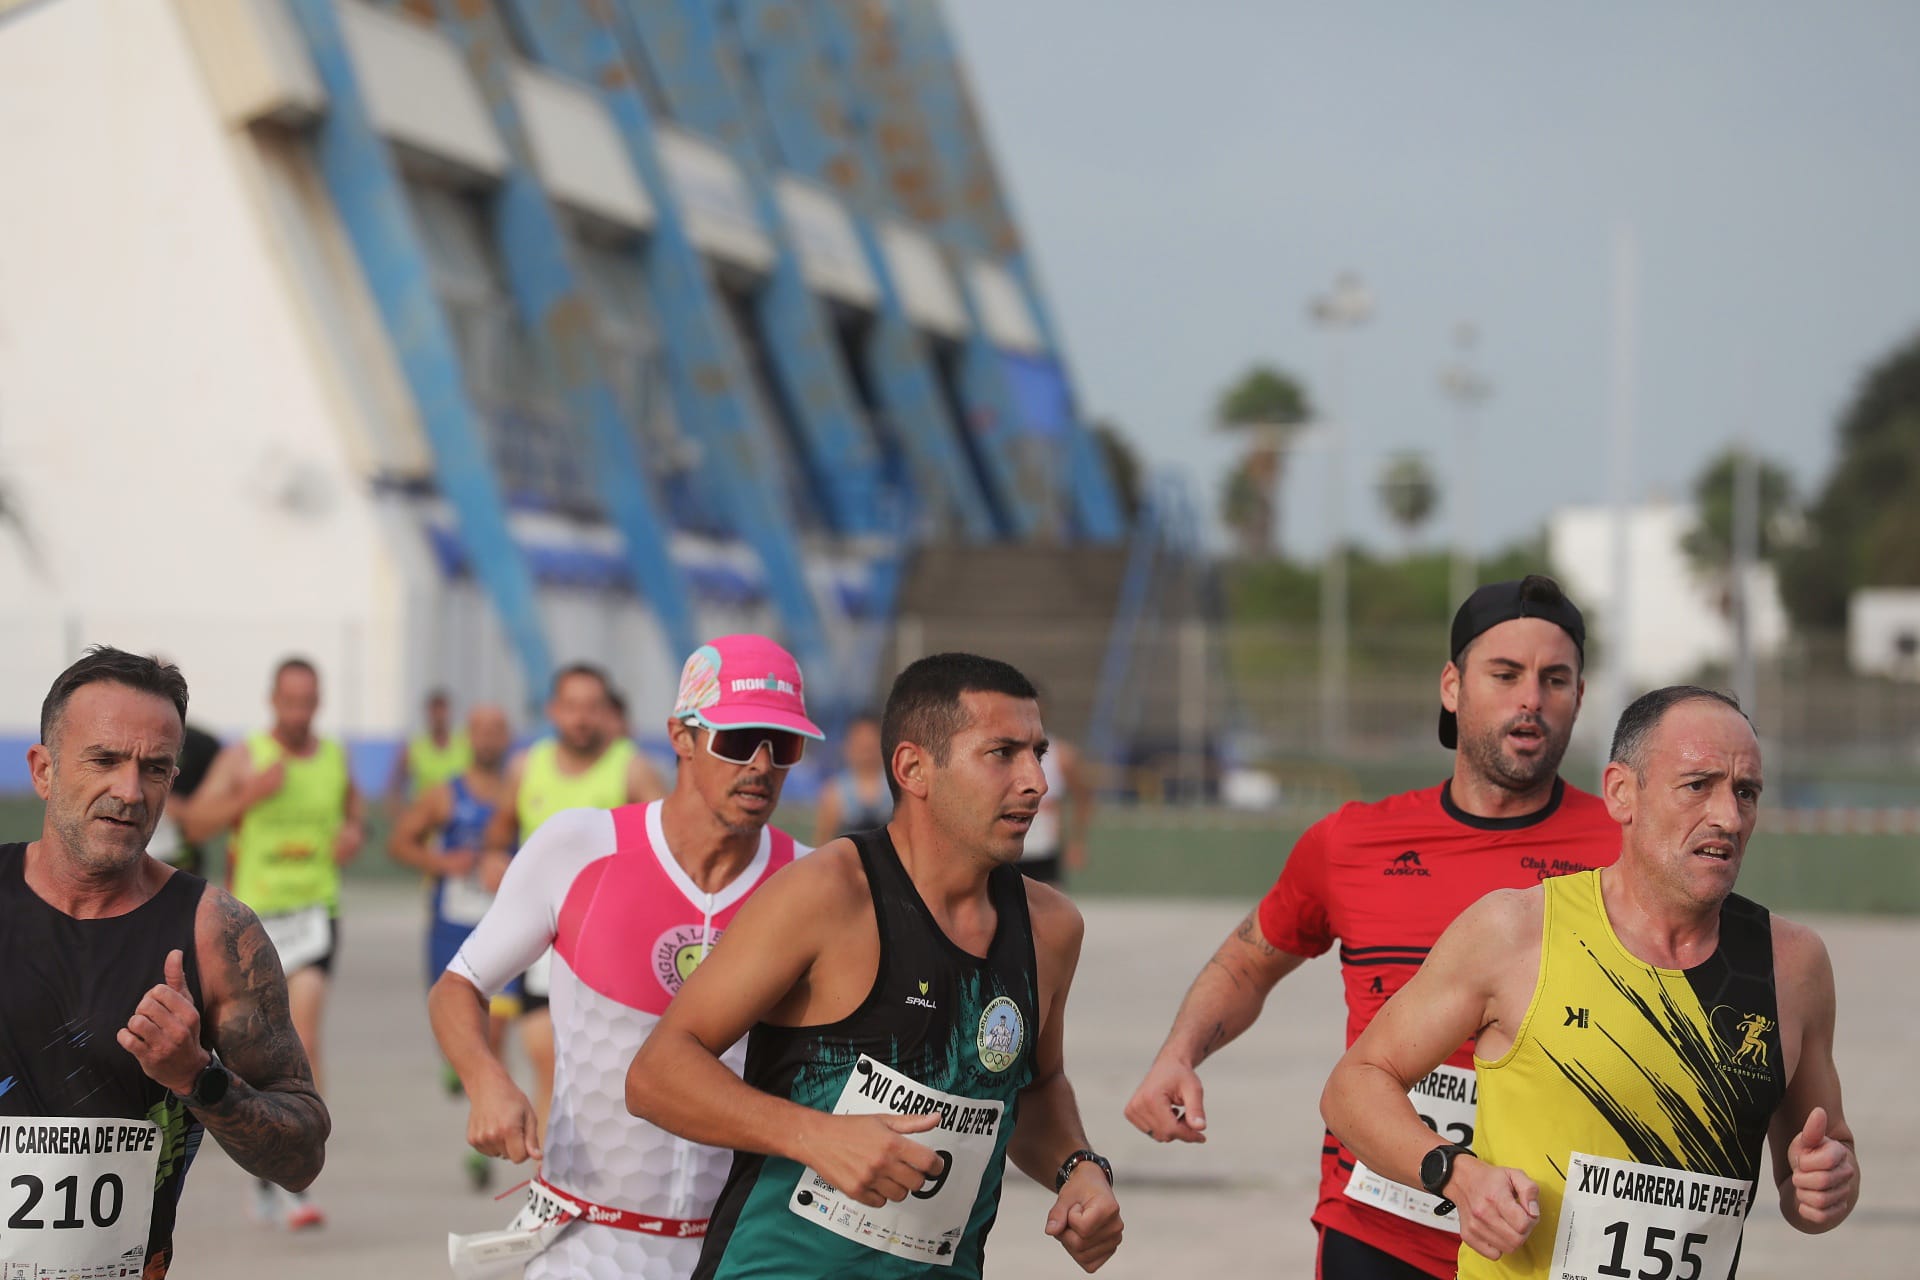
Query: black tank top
[[70, 986], [937, 1016]]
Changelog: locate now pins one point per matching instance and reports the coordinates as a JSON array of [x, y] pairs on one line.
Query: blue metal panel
[[979, 212], [805, 120], [700, 86], [920, 164], [704, 369], [372, 205], [547, 295]]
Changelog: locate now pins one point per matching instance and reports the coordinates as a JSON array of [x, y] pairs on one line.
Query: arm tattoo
[[272, 1121], [1250, 933], [1215, 1038]]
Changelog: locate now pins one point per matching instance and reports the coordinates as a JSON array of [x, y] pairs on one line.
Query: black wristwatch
[[211, 1085], [1074, 1161], [1436, 1170]]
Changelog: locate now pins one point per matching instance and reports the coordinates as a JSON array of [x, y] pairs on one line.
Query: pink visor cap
[[744, 682]]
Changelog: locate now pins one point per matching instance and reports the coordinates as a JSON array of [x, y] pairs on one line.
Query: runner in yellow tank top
[[1640, 1029], [438, 754], [588, 763], [297, 819]]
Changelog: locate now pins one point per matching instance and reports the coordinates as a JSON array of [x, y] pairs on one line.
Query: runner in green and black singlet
[[941, 1029], [903, 995]]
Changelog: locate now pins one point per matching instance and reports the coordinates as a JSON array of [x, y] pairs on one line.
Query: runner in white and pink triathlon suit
[[630, 901]]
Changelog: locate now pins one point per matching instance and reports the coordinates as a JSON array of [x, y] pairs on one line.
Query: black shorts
[[1344, 1258], [1046, 870]]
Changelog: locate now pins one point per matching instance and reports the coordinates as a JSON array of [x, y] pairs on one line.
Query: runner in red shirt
[[1384, 880]]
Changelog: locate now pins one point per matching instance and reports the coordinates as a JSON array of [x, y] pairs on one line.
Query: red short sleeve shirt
[[1384, 880]]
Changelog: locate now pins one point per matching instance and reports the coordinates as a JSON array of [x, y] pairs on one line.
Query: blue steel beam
[[705, 373], [365, 186], [807, 130], [701, 91], [546, 292], [917, 168], [984, 211]]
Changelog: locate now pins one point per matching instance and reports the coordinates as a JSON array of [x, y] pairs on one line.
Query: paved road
[[1235, 1206]]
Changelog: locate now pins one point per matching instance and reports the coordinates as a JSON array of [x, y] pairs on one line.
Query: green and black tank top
[[941, 1031], [93, 1153]]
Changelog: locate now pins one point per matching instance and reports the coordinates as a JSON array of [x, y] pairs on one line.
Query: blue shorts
[[443, 943]]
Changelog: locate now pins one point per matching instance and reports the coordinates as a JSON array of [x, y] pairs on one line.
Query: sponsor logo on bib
[[678, 952], [1002, 1033]]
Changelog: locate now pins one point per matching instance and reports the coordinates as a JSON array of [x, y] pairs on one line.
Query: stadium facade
[[446, 341]]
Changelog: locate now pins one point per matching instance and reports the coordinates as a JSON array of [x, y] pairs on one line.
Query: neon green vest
[[282, 856], [429, 765], [545, 791]]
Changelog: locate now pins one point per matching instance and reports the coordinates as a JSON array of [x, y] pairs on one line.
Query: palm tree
[[1269, 407], [1409, 493]]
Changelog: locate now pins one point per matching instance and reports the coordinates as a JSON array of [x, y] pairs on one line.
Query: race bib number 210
[[76, 1196]]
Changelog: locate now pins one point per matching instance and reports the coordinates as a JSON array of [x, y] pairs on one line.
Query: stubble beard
[[1487, 754]]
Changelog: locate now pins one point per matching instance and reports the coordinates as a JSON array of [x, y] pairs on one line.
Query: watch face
[[212, 1085], [1435, 1167]]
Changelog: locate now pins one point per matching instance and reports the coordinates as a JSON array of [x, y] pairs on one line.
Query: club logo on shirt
[[1407, 864], [1745, 1049], [1002, 1033], [678, 952]]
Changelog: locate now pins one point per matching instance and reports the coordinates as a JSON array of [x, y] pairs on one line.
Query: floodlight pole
[[1347, 306], [1468, 389]]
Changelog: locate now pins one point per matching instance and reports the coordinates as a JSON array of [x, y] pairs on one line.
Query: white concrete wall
[[164, 425], [1883, 626], [1675, 627]]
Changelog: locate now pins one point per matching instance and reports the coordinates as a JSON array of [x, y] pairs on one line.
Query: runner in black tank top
[[127, 984], [71, 985], [949, 1022]]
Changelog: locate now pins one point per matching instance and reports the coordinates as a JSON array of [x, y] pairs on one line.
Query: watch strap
[[1075, 1160]]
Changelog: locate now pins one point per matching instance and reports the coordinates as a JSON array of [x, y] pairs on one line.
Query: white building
[[1674, 623]]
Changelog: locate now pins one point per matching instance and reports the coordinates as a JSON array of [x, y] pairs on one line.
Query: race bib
[[76, 1196], [1621, 1219], [533, 1230], [462, 900], [928, 1224], [1445, 1101], [301, 937]]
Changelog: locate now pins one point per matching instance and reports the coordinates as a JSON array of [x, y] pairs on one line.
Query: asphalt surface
[[1236, 1206]]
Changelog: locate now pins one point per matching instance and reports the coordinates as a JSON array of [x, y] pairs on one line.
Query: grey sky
[[1189, 173]]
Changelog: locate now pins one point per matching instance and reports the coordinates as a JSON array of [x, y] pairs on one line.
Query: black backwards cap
[[1534, 596]]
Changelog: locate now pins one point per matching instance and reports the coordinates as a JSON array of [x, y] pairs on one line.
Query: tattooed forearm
[[1215, 1038], [272, 1121]]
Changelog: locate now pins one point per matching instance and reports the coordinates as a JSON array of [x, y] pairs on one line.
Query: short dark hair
[[924, 706], [294, 663], [1644, 715], [587, 669], [438, 698], [106, 665]]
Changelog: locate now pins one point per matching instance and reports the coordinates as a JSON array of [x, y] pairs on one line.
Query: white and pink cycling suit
[[627, 925]]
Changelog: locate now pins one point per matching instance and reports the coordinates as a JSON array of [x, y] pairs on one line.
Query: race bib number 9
[[1620, 1219], [1445, 1101], [76, 1196], [928, 1224]]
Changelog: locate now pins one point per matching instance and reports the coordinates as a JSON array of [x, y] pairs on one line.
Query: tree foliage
[[1864, 527], [1709, 544], [1270, 407], [1409, 492], [1264, 397]]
